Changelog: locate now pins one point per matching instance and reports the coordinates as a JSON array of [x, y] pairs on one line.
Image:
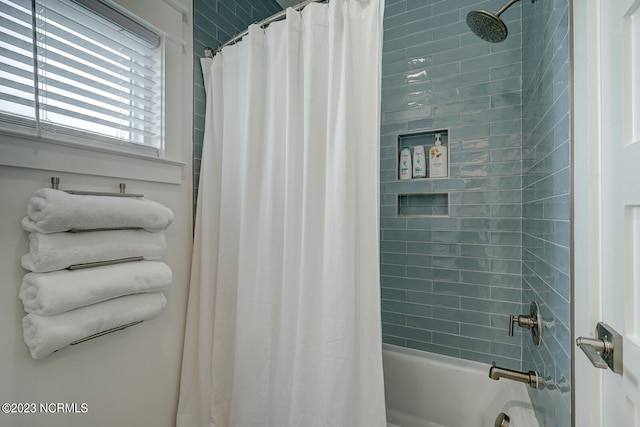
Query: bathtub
[[429, 390]]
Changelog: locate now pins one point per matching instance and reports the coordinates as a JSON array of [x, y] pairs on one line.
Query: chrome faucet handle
[[512, 320], [533, 321], [522, 320]]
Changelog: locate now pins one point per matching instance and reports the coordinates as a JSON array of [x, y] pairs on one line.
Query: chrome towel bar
[[55, 184], [103, 263], [108, 331]]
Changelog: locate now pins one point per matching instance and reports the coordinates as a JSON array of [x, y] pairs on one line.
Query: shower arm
[[505, 7]]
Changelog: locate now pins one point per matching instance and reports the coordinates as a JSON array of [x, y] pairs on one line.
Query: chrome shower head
[[488, 26]]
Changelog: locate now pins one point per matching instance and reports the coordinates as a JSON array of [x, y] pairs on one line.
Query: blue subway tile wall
[[546, 202], [450, 283], [215, 22]]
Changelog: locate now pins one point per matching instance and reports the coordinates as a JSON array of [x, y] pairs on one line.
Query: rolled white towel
[[50, 252], [54, 211], [59, 291], [46, 334]]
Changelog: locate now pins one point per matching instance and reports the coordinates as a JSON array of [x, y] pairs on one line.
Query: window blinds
[[89, 76], [17, 93]]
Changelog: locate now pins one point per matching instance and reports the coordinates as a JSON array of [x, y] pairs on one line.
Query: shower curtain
[[283, 321]]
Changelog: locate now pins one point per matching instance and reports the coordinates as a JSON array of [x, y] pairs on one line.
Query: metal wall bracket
[[605, 351]]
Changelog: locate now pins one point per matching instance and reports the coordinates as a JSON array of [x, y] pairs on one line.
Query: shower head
[[488, 26]]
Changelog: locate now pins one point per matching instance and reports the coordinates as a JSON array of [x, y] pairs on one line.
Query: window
[[93, 75]]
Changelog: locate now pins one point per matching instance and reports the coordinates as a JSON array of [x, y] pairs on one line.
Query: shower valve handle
[[533, 321], [522, 320]]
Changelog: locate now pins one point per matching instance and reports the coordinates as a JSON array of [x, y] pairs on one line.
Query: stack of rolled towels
[[65, 305]]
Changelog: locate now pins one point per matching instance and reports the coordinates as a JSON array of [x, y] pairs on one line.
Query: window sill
[[27, 152]]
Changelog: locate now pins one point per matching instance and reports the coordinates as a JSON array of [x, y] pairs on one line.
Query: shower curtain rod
[[210, 52]]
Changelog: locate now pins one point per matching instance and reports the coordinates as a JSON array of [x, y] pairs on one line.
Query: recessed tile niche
[[427, 140], [423, 204], [412, 203]]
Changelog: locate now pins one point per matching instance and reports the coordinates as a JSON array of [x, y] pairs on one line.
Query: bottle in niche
[[438, 160], [405, 163], [419, 169]]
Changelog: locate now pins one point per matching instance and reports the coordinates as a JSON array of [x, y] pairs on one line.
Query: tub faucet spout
[[531, 377]]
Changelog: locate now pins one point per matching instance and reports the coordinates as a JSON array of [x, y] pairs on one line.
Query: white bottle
[[438, 160], [405, 163], [419, 169]]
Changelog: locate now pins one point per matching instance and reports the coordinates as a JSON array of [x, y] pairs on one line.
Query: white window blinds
[[93, 75]]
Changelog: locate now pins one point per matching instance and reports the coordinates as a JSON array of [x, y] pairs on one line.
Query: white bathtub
[[429, 390]]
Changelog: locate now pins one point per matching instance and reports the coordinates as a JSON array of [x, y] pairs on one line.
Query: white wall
[[130, 377]]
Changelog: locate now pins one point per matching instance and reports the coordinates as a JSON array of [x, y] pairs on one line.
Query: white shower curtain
[[283, 323]]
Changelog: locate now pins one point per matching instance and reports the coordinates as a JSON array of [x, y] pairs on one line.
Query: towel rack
[[100, 264], [103, 263], [108, 331], [55, 184]]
